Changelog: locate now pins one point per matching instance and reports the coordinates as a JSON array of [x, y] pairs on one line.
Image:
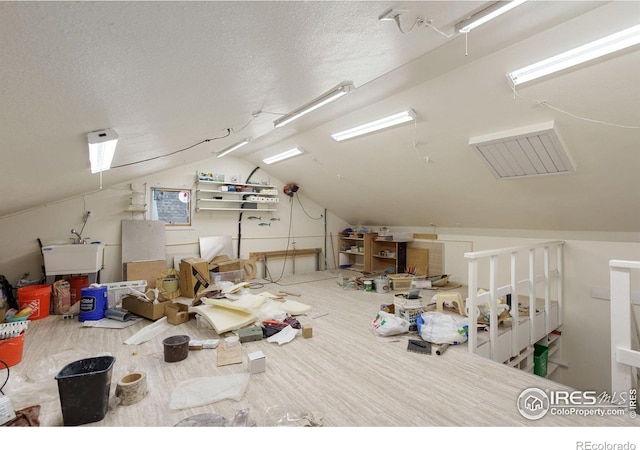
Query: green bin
[[540, 360]]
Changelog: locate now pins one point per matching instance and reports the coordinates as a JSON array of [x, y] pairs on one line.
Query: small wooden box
[[307, 331]]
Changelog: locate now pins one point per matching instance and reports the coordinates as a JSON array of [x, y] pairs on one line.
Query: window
[[172, 206]]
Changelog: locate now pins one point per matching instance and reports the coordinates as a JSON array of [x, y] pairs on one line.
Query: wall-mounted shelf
[[228, 196]]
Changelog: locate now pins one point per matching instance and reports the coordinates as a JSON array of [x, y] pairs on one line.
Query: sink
[[65, 259]]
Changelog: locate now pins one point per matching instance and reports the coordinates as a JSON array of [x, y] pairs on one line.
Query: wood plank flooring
[[343, 374]]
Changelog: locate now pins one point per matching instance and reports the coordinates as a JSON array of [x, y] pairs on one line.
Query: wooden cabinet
[[388, 256], [226, 196], [355, 251]]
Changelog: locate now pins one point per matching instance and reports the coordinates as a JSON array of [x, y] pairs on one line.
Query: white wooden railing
[[624, 360], [525, 256]]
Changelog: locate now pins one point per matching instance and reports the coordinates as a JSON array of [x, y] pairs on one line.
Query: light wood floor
[[342, 374]]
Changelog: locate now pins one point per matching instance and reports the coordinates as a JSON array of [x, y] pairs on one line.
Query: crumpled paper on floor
[[287, 334], [205, 390], [149, 332]]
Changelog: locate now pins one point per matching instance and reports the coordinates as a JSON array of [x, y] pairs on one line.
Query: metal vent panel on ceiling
[[524, 152]]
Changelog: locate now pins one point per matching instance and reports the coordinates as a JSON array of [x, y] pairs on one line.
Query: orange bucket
[[76, 284], [11, 350], [38, 298]]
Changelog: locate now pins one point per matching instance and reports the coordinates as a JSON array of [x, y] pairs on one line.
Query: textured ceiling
[[167, 75]]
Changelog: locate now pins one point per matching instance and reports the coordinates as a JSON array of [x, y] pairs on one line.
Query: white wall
[[301, 225]]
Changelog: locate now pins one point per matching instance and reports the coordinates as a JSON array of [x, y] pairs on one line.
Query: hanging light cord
[[305, 211], [229, 130], [586, 119], [420, 22]]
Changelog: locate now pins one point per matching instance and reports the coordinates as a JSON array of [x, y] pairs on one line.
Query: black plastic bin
[[84, 387]]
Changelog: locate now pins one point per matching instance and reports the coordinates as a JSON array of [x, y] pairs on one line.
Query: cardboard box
[[194, 276], [148, 271], [307, 331], [228, 266], [223, 263], [134, 305], [256, 362], [176, 313]]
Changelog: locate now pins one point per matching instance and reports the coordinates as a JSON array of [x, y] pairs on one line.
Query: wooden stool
[[453, 298]]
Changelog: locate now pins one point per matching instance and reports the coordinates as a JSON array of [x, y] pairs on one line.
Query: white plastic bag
[[440, 328], [386, 324]]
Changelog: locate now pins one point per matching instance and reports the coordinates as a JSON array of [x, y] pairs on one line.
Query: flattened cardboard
[[229, 355], [144, 270]]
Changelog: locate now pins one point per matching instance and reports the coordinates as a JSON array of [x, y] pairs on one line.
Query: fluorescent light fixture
[[370, 127], [228, 150], [487, 14], [325, 98], [604, 46], [284, 155], [102, 147]]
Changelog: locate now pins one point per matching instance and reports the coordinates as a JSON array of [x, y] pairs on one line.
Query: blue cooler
[[93, 303]]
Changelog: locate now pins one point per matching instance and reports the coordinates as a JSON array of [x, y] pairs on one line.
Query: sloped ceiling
[[169, 75]]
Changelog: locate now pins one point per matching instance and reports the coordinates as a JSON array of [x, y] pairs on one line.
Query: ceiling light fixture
[[487, 14], [102, 147], [284, 155], [376, 125], [325, 98], [604, 46], [228, 150]]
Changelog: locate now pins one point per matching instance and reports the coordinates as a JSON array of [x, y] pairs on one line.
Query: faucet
[[78, 239]]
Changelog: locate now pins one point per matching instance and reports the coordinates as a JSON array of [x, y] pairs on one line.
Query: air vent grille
[[524, 152]]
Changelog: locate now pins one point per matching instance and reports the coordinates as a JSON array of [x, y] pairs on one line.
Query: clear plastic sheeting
[[241, 419], [289, 416], [206, 390]]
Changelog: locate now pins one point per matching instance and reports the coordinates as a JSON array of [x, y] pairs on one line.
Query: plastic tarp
[[205, 390]]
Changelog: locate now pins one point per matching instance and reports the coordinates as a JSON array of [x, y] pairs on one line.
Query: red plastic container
[[11, 350], [76, 284]]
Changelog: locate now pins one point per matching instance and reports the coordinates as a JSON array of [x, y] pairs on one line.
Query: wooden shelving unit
[[355, 251], [387, 255]]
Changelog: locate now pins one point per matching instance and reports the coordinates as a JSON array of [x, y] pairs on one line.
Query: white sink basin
[[65, 259]]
